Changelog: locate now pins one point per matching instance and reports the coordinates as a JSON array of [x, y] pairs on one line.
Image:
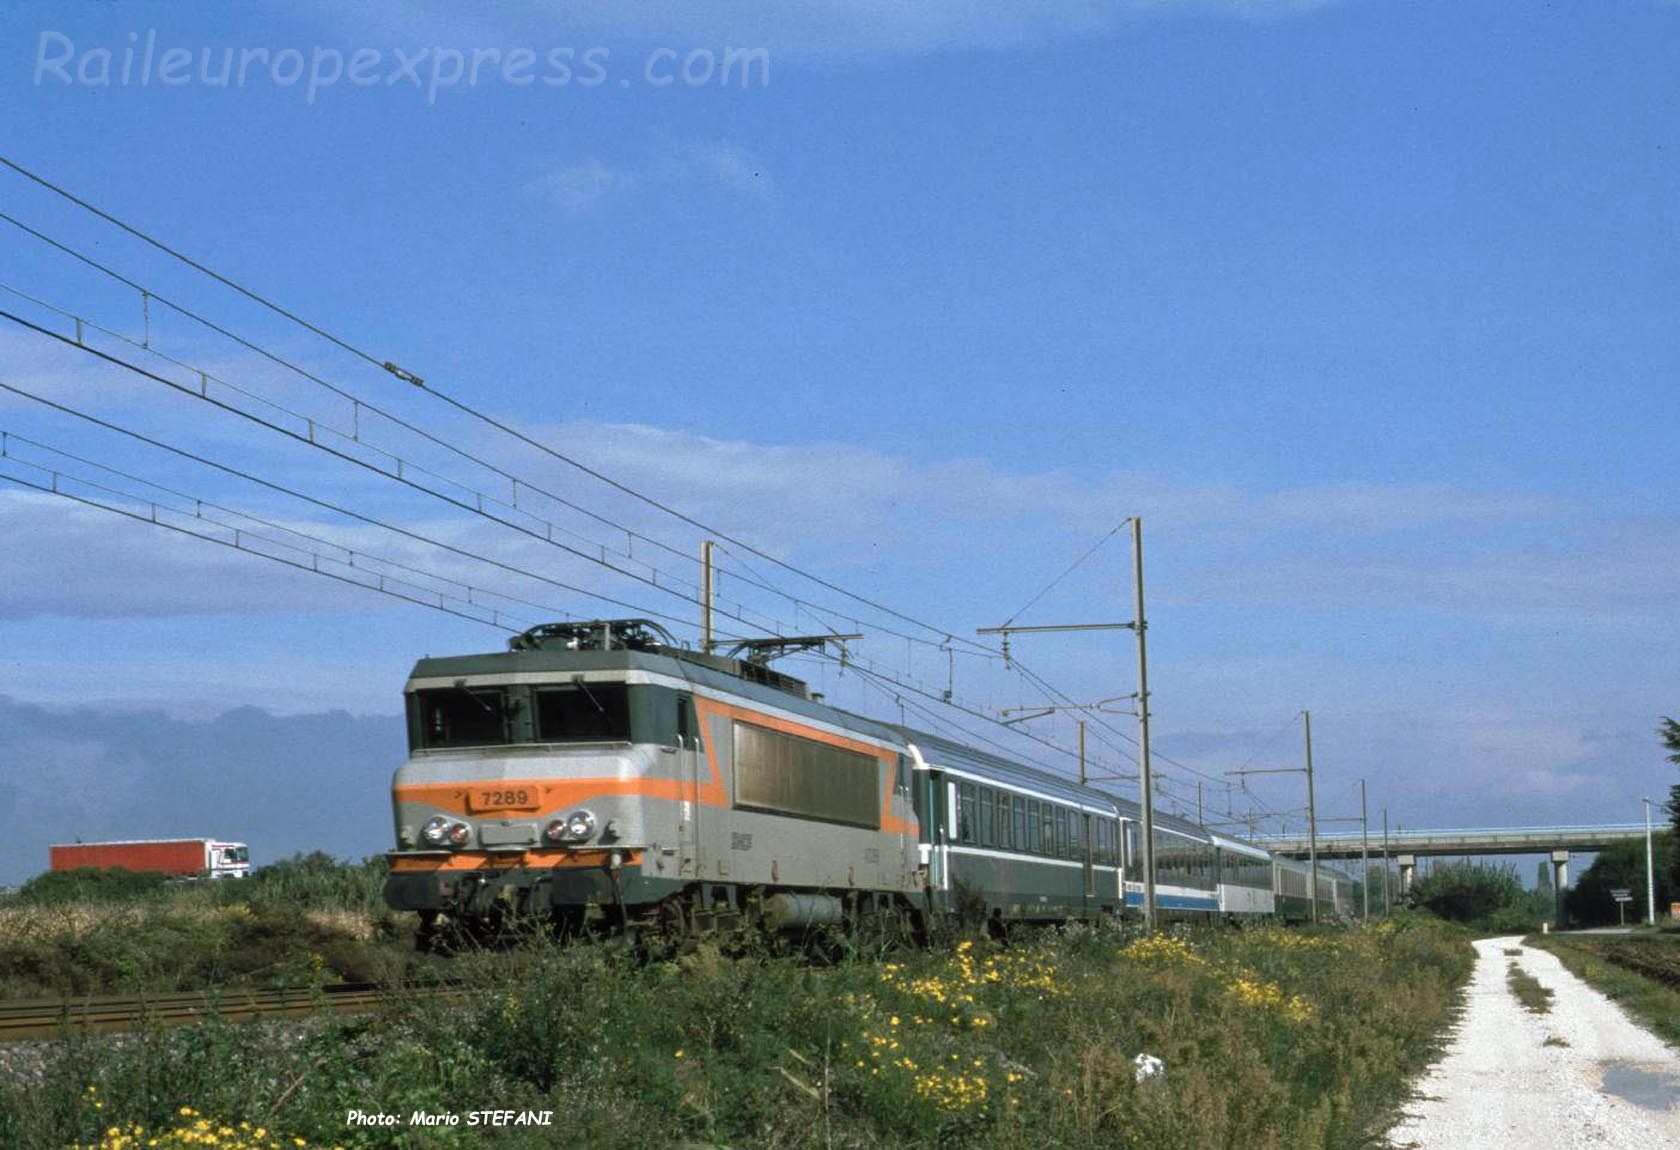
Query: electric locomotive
[[598, 774]]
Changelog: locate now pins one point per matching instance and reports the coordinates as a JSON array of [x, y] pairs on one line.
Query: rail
[[44, 1018]]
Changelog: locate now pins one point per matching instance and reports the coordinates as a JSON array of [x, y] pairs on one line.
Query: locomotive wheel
[[426, 937]]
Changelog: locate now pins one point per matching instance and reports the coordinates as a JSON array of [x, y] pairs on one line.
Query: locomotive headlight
[[460, 834], [574, 828], [436, 831]]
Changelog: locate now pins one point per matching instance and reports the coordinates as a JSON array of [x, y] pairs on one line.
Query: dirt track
[[1581, 1075]]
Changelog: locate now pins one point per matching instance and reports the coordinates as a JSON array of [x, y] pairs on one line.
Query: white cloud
[[732, 167], [585, 185], [902, 523], [581, 186]]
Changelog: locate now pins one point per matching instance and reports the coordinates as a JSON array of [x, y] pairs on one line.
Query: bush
[[315, 880], [92, 884], [1483, 897], [306, 921], [1590, 902]]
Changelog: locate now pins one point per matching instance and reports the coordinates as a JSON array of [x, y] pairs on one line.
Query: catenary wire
[[1070, 570], [383, 588], [338, 509], [403, 466], [468, 409], [118, 361], [757, 581]]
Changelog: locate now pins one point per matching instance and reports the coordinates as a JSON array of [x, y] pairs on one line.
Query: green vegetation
[[1488, 899], [1668, 731], [304, 921], [1269, 1039], [1590, 902], [1529, 990], [1640, 971]]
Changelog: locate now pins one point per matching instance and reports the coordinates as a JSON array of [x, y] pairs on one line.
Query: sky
[[1365, 309]]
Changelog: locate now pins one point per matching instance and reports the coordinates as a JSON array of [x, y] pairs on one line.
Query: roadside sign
[[1621, 894]]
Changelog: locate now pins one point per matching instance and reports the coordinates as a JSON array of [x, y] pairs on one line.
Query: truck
[[179, 858]]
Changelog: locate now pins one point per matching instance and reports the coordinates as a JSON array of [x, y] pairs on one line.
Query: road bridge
[[1405, 847]]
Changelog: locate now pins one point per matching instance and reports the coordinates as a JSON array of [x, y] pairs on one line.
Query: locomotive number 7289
[[502, 798]]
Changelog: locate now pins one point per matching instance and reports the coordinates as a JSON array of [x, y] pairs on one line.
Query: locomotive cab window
[[461, 717], [583, 713]]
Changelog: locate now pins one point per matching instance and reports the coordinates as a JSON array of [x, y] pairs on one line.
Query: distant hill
[[282, 784]]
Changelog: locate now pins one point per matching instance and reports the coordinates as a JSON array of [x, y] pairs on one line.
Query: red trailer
[[183, 858]]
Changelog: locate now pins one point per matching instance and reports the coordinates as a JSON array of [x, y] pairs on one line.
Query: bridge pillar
[[1560, 880], [1408, 868]]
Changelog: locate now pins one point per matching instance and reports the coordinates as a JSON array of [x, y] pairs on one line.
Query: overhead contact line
[[338, 509], [396, 474], [467, 409]]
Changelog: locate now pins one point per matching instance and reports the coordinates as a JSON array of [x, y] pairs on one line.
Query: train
[[599, 777]]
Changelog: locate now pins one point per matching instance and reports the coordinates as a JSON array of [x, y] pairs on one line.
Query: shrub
[[1470, 893], [92, 884]]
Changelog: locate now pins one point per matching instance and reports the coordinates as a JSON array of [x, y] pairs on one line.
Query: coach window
[[1019, 809], [1079, 824], [1061, 849], [1047, 829], [988, 831], [965, 812]]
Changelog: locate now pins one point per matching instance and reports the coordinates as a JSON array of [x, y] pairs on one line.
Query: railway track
[[53, 1017]]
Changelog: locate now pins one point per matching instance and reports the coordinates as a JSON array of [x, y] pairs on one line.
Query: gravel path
[[1581, 1075]]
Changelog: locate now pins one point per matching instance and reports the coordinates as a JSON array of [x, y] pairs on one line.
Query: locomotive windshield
[[461, 717], [575, 712], [583, 712]]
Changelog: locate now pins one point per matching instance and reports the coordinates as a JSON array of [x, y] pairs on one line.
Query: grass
[[307, 921], [1269, 1038], [1641, 972], [1528, 990]]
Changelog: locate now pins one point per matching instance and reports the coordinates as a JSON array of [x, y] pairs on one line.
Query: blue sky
[[1365, 307]]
